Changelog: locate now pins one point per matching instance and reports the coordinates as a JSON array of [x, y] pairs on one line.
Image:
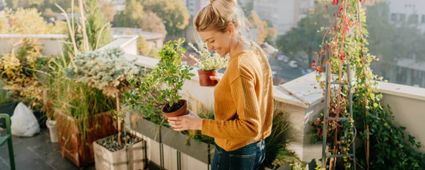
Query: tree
[[390, 42], [23, 3], [265, 31], [27, 21], [387, 41], [98, 29], [151, 22], [108, 10], [304, 40], [174, 14], [131, 16]]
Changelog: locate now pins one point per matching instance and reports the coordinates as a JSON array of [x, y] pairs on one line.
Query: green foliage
[[72, 98], [276, 152], [98, 28], [144, 98], [171, 72], [161, 85], [208, 61], [131, 16], [392, 147], [302, 41], [174, 14], [147, 48], [153, 23], [18, 72], [390, 42], [5, 96], [28, 21], [23, 3], [264, 30], [389, 146], [105, 70]]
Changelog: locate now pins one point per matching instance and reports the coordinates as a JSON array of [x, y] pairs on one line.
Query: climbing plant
[[345, 50]]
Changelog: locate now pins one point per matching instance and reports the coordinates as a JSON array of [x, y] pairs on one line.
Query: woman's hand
[[217, 77], [186, 122]]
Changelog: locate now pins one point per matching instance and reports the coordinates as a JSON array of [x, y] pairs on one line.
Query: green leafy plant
[[28, 21], [170, 73], [18, 71], [206, 60], [5, 96], [347, 46], [90, 32], [160, 86], [277, 153], [108, 71], [72, 98]]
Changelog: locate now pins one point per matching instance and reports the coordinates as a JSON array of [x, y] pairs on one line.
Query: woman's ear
[[230, 27]]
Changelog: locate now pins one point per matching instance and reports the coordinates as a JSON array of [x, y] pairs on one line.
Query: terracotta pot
[[204, 77], [179, 112]]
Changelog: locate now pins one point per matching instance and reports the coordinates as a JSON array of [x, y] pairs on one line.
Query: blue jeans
[[249, 157]]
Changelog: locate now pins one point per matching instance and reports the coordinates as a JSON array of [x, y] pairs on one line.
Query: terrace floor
[[36, 153]]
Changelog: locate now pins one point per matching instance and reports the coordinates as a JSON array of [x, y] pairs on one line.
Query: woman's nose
[[210, 47]]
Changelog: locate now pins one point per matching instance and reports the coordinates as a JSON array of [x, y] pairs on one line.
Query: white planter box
[[132, 157]]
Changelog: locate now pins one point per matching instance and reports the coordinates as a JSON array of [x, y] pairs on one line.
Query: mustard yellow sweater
[[243, 102]]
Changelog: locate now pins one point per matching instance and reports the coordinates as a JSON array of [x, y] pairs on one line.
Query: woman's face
[[217, 41]]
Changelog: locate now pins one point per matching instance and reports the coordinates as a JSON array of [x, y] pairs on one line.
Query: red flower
[[334, 2], [318, 69], [342, 55], [313, 64]]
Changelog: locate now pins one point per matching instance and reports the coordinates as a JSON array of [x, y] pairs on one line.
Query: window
[[394, 17]]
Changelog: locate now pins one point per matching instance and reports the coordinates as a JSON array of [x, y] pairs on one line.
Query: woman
[[243, 100]]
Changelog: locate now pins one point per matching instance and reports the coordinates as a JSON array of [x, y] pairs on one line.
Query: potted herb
[[208, 63], [110, 72]]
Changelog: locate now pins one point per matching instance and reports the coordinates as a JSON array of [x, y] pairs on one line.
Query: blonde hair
[[218, 15]]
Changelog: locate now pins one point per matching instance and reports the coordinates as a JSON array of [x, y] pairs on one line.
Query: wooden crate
[[132, 157], [80, 152]]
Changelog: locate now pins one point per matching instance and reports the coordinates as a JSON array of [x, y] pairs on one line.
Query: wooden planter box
[[196, 149], [132, 157], [69, 135]]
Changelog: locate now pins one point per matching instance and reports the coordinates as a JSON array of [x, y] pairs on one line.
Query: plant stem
[[83, 27], [117, 101]]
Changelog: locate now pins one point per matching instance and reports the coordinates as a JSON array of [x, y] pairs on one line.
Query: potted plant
[[110, 72], [51, 122], [19, 73], [208, 63], [170, 74], [81, 114]]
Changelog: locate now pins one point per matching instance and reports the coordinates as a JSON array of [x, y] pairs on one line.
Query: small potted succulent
[[208, 63]]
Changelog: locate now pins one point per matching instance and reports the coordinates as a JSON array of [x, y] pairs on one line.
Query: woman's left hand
[[186, 122]]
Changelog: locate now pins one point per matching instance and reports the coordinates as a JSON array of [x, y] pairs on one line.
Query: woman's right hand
[[216, 77]]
